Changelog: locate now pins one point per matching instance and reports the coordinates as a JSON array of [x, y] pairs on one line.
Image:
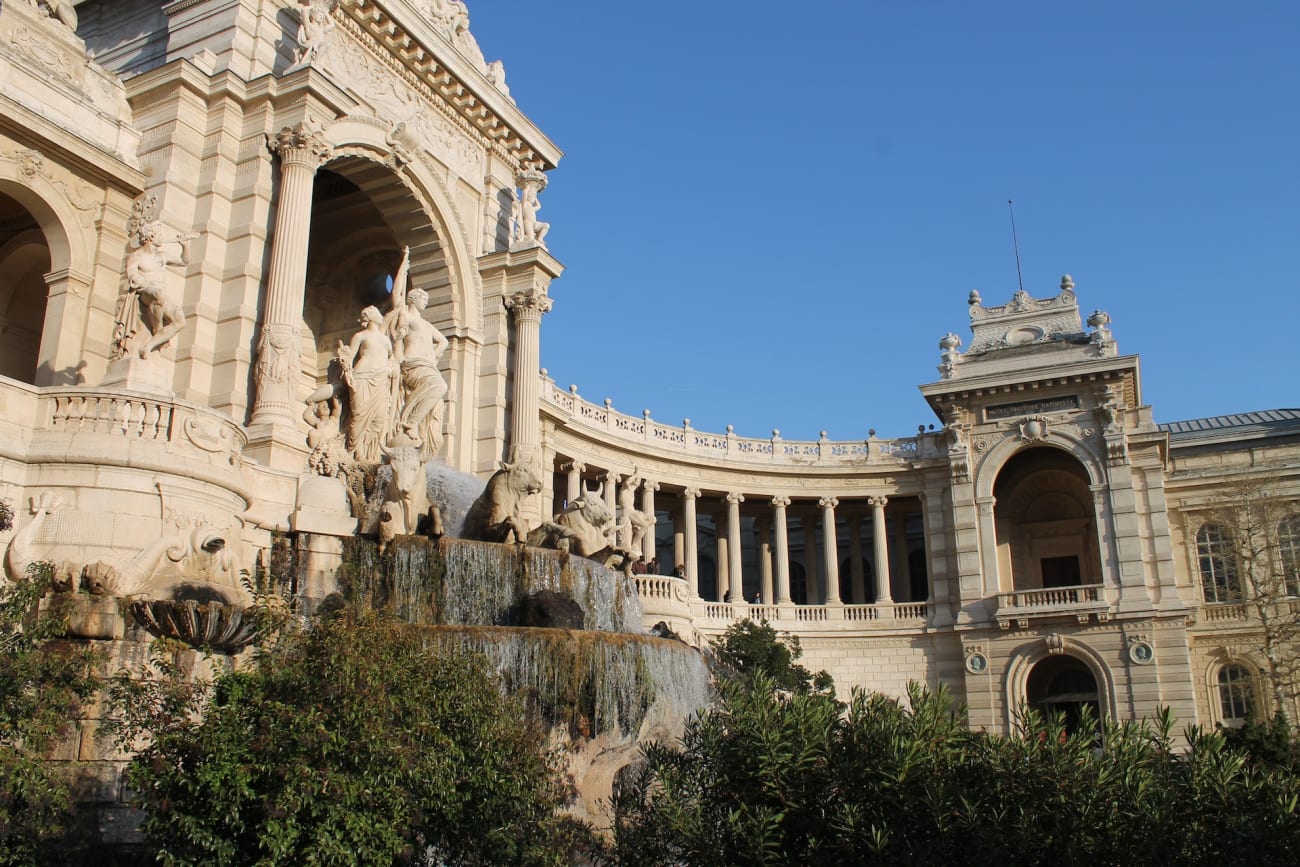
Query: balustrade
[[90, 411], [729, 447]]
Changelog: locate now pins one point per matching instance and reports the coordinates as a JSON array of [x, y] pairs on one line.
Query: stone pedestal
[[151, 375]]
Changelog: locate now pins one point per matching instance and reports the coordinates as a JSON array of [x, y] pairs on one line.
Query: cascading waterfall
[[603, 688]]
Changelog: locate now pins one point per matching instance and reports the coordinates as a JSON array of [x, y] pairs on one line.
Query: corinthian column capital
[[529, 305], [303, 144]]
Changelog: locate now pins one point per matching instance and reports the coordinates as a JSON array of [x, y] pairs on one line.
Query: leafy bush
[[348, 743], [778, 777], [750, 647], [43, 680]]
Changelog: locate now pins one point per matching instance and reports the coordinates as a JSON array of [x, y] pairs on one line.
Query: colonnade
[[817, 519]]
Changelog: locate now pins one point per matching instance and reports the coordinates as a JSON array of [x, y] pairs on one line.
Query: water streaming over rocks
[[604, 689], [459, 582]]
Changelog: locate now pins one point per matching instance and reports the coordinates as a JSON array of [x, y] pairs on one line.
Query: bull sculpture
[[406, 499], [586, 528], [496, 516]]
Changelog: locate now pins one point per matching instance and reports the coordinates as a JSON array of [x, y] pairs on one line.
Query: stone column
[[830, 550], [855, 560], [782, 550], [528, 307], [883, 595], [691, 541], [679, 540], [734, 556], [648, 506], [609, 488], [723, 571], [302, 149], [763, 528], [573, 481]]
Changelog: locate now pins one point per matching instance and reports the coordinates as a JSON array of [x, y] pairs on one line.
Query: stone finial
[[949, 342], [1099, 319], [974, 299], [1067, 283]]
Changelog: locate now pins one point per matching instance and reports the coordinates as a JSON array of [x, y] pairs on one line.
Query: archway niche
[[1046, 524], [362, 217], [1063, 684], [24, 262]]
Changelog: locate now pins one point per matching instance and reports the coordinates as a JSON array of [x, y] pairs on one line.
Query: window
[[1236, 693], [1288, 544], [1218, 565]]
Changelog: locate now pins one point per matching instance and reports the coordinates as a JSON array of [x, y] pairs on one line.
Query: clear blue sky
[[771, 212]]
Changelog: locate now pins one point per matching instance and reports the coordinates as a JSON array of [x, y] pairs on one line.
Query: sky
[[770, 212]]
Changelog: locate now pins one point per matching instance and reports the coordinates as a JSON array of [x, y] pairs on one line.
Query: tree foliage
[[346, 743], [750, 647], [43, 681], [1261, 529], [777, 777]]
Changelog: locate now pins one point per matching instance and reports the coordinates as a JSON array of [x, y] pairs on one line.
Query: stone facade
[[275, 159]]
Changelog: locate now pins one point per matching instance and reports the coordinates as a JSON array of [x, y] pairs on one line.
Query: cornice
[[409, 37], [88, 159]]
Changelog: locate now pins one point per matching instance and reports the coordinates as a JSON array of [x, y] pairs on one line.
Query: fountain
[[604, 688]]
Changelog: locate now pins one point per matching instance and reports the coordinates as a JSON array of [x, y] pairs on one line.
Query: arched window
[[1288, 544], [1236, 693], [1218, 565]]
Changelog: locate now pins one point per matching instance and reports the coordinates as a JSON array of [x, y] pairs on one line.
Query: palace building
[[199, 198]]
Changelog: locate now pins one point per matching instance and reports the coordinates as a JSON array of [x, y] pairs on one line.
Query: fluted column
[[734, 557], [302, 150], [528, 308], [830, 550], [782, 549], [648, 506], [691, 541], [855, 560], [883, 596], [573, 481], [763, 528]]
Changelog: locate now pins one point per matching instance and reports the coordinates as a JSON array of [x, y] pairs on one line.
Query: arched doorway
[[1064, 685], [24, 262], [1046, 525]]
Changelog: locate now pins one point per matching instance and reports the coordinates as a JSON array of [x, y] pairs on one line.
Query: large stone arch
[[366, 138], [1021, 663], [1065, 440], [69, 237]]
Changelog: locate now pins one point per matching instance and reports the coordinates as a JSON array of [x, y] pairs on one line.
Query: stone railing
[[717, 615], [1218, 611], [686, 440], [1082, 601], [110, 413]]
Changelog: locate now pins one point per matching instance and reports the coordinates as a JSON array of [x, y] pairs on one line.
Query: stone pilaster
[[856, 576]]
